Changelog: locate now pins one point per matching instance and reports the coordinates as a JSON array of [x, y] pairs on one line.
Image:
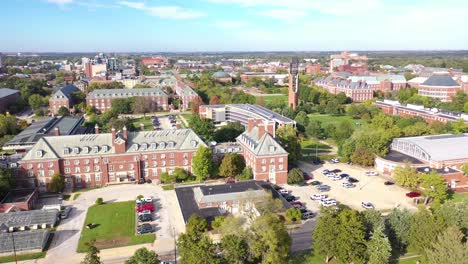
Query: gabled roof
[[67, 90], [124, 93], [440, 80], [264, 146]]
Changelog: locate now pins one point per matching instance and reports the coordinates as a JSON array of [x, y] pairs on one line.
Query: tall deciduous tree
[[295, 176], [287, 135], [406, 176], [7, 181], [202, 164], [232, 165], [143, 256], [350, 241], [142, 105], [270, 241], [434, 186], [63, 111], [424, 229], [325, 233], [92, 256], [235, 249], [202, 126], [56, 184], [379, 249], [398, 225], [450, 247]]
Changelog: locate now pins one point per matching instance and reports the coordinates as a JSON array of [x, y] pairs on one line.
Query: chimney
[[250, 124], [261, 130], [113, 133], [125, 133], [96, 129], [142, 127], [56, 131]]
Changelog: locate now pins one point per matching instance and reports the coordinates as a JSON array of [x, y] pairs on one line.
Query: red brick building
[[63, 97], [186, 94], [100, 159], [266, 157], [102, 99], [313, 69], [19, 200], [156, 62], [439, 86], [429, 114]]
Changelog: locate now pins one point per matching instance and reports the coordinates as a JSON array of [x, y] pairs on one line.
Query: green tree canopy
[[293, 214], [235, 249], [287, 135], [202, 163], [232, 165], [7, 181], [63, 111], [202, 126], [143, 256], [449, 247], [180, 174], [407, 176], [434, 186], [424, 229], [57, 183], [379, 249], [295, 176], [92, 256]]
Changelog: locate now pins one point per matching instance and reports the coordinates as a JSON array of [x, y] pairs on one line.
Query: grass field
[[115, 226], [330, 119], [145, 120], [7, 259], [277, 98], [311, 143], [458, 197]]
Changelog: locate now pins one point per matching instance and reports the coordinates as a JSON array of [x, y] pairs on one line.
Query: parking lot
[[167, 122], [368, 189]]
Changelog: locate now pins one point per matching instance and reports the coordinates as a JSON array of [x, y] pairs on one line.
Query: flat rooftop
[[24, 241], [400, 157], [29, 218], [18, 196]]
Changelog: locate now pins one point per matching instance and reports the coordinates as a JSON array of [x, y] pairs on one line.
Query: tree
[[314, 129], [450, 247], [379, 249], [232, 165], [424, 229], [202, 126], [287, 135], [63, 111], [270, 241], [302, 120], [350, 241], [180, 174], [99, 201], [167, 178], [325, 233], [56, 184], [92, 256], [454, 213], [143, 256], [397, 226], [7, 181], [464, 168], [372, 220], [217, 222], [343, 131], [293, 214], [269, 205], [202, 164], [295, 176], [36, 101], [214, 100], [122, 105], [235, 249], [363, 157], [194, 246], [246, 174], [142, 105], [434, 186], [229, 132], [406, 176]]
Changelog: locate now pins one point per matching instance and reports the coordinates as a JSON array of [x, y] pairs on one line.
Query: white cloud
[[172, 12], [287, 15]]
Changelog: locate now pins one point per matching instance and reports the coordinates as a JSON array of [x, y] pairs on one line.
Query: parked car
[[352, 180], [335, 178], [141, 181], [371, 173], [144, 207], [315, 183], [347, 185], [331, 174], [367, 205], [334, 160], [336, 171], [148, 199], [66, 212], [328, 202], [144, 229], [283, 191], [145, 218], [389, 183], [318, 196], [344, 176], [307, 215], [323, 187], [325, 172], [290, 198], [149, 181], [413, 194], [296, 202]]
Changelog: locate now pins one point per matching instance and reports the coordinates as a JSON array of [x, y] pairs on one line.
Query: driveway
[[168, 221], [370, 189]]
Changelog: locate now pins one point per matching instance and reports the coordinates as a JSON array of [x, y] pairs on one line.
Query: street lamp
[[4, 229]]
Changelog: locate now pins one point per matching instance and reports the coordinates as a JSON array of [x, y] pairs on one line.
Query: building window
[[77, 170], [39, 154], [30, 174], [77, 162], [186, 162], [67, 162], [30, 166], [185, 155], [145, 164], [111, 168], [86, 161], [96, 168], [163, 163], [97, 178], [87, 169], [88, 178], [51, 172], [155, 164], [131, 166], [272, 161], [171, 162], [40, 166], [66, 151], [51, 164], [76, 150], [145, 157], [96, 160], [78, 179], [281, 160], [263, 168], [67, 170], [263, 161], [163, 156], [281, 166], [171, 155]]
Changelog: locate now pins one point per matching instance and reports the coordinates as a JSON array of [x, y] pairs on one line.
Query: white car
[[367, 205], [148, 199], [334, 160], [335, 178], [371, 173], [318, 196], [328, 202], [283, 191], [325, 172], [330, 174], [347, 185]]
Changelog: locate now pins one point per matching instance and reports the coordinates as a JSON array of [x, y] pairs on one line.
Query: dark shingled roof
[[68, 90], [440, 80]]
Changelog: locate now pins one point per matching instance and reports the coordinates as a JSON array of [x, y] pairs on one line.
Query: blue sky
[[232, 25]]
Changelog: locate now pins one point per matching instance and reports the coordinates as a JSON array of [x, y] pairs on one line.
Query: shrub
[[99, 201], [295, 176], [293, 214], [139, 197]]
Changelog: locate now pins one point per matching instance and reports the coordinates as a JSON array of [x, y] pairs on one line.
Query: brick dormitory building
[[106, 158], [102, 99]]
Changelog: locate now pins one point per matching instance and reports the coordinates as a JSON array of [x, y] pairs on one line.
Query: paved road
[[302, 237]]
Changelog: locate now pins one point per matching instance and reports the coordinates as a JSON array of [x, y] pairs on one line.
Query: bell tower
[[293, 94]]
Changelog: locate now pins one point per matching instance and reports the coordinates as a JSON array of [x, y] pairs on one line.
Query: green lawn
[[168, 187], [330, 119], [116, 226], [312, 143], [459, 197], [7, 259], [145, 120], [276, 98]]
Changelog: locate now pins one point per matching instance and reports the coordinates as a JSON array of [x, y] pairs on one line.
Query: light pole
[[4, 229], [175, 246]]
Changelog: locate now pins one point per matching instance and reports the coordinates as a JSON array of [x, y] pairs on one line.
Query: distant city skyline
[[232, 25]]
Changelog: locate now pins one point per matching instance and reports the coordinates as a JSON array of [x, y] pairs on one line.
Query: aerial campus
[[341, 155]]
